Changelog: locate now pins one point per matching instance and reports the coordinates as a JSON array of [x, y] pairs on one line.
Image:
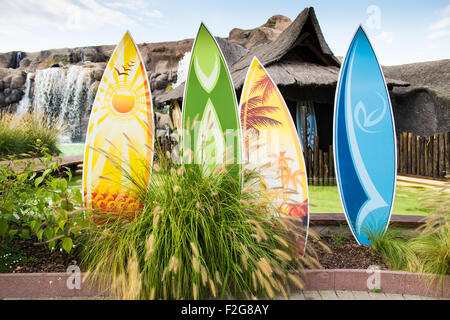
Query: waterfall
[[183, 67], [65, 94], [16, 57], [25, 103]]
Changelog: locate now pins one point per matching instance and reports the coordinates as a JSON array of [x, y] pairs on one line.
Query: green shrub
[[38, 205], [18, 134], [196, 238]]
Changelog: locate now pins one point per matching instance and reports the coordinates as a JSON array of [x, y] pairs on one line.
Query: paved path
[[70, 161], [303, 295], [354, 295], [425, 182]]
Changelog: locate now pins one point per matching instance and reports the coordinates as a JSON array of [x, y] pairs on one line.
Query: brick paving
[[301, 295]]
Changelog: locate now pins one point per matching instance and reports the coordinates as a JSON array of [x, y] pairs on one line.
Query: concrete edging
[[390, 282], [41, 285]]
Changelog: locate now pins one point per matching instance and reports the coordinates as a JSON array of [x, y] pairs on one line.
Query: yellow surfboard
[[119, 140], [271, 143]]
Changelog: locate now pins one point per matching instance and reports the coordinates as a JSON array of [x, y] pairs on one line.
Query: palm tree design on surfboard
[[270, 137], [364, 142]]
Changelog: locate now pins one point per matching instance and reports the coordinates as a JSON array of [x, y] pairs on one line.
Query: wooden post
[[331, 160], [405, 152], [326, 169], [316, 160], [431, 156], [421, 156], [409, 151], [447, 153], [304, 131], [310, 164], [426, 155], [320, 166], [400, 152], [413, 155], [435, 155], [418, 155], [442, 155]]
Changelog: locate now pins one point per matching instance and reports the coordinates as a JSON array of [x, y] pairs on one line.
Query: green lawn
[[71, 149], [325, 199]]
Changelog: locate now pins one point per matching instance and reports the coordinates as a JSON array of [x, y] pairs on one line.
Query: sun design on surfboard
[[119, 133]]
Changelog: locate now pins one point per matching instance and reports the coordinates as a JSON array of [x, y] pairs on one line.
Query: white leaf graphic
[[208, 82], [210, 144]]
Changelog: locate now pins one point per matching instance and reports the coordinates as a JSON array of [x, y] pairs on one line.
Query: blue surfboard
[[364, 142]]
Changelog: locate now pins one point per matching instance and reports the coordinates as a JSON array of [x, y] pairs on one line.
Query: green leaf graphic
[[210, 100]]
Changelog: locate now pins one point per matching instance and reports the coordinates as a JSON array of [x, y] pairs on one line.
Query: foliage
[[432, 246], [196, 238], [18, 134], [340, 238], [428, 251], [394, 247], [9, 255], [39, 205]]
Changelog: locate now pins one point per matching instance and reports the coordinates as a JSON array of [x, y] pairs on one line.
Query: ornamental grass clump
[[18, 134], [198, 237], [432, 246], [427, 249]]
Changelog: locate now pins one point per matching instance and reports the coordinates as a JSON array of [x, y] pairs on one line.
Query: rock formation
[[263, 34]]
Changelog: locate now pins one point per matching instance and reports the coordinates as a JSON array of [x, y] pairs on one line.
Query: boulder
[[2, 100], [89, 54], [26, 62], [160, 82], [18, 81], [16, 95], [94, 87], [97, 74], [263, 34]]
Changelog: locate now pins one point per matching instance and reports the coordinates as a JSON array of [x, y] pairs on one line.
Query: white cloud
[[61, 15], [155, 14], [440, 28], [128, 4], [443, 23], [438, 34], [138, 7], [385, 36]]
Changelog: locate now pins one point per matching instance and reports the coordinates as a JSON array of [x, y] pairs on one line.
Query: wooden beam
[[318, 53]]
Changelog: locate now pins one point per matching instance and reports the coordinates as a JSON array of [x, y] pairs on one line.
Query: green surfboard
[[211, 123]]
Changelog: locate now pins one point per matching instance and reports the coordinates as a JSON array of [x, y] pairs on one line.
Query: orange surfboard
[[271, 143]]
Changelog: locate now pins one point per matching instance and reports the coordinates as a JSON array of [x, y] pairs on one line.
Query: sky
[[401, 31]]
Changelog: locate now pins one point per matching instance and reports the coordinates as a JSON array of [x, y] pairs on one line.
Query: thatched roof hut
[[302, 65], [298, 58], [422, 108]]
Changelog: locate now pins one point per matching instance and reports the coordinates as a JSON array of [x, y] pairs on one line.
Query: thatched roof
[[423, 108], [432, 76], [299, 56]]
